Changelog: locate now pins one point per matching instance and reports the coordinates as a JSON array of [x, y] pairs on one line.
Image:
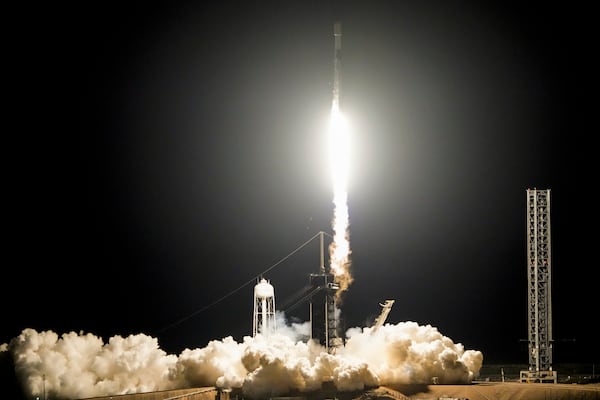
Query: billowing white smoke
[[412, 353], [75, 366], [81, 365]]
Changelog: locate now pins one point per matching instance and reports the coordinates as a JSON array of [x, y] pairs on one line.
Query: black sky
[[160, 155]]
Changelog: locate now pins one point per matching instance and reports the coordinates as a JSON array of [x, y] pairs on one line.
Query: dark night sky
[[161, 155]]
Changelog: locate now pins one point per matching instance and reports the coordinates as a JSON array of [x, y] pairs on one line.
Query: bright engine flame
[[339, 251]]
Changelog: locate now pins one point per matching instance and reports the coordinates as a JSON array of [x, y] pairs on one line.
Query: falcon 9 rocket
[[337, 64]]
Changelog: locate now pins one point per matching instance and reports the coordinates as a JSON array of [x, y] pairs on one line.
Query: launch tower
[[539, 288], [323, 318]]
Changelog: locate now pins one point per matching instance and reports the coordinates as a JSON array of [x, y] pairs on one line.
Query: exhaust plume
[[339, 250]]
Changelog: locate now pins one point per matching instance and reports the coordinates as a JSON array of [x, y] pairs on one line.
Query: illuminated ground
[[476, 391], [502, 391]]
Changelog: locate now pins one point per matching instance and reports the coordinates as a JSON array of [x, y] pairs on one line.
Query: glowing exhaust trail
[[339, 146]]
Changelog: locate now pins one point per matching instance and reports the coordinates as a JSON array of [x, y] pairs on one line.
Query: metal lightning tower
[[539, 288]]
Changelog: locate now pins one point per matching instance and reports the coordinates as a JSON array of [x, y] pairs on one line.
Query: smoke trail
[[82, 365], [339, 250]]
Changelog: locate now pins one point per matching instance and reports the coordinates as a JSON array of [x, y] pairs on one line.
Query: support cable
[[206, 307]]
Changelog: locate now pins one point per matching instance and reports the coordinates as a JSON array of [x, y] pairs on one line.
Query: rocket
[[337, 63]]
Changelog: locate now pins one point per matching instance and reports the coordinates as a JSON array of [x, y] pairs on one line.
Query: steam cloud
[[81, 365]]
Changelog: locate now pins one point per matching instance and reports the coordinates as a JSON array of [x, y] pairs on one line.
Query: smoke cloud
[[79, 365]]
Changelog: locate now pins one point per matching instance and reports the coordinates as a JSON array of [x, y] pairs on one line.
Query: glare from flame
[[339, 250]]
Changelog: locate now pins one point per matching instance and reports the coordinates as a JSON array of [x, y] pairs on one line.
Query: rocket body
[[337, 64]]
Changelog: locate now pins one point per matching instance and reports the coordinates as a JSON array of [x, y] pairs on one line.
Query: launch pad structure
[[323, 310], [539, 289]]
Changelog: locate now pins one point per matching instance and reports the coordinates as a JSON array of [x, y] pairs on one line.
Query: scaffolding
[[323, 318], [323, 309], [539, 289]]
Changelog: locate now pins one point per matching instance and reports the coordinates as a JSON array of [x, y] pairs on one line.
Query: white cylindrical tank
[[264, 289], [263, 320]]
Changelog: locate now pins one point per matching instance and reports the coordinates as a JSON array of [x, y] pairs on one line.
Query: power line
[[220, 299]]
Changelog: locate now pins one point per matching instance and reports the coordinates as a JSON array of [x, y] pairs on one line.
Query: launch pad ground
[[475, 391], [496, 391]]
